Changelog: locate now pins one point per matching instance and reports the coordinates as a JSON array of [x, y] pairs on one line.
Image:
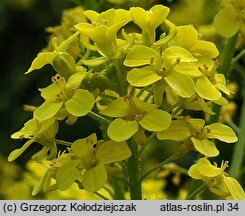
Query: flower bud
[[64, 64], [96, 81]]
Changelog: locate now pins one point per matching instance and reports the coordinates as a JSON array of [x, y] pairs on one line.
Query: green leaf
[[81, 103], [47, 110], [117, 108], [94, 178], [67, 174], [178, 130], [17, 152], [221, 132], [112, 151], [156, 120], [205, 147], [206, 89], [143, 76], [121, 130], [140, 55], [41, 60], [183, 85]]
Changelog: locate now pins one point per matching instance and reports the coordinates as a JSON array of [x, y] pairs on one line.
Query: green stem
[[225, 67], [170, 159], [133, 172], [108, 190], [177, 110], [98, 117], [121, 80], [238, 56], [148, 141], [61, 142], [119, 190], [196, 192], [238, 154], [227, 56], [233, 126], [100, 195]]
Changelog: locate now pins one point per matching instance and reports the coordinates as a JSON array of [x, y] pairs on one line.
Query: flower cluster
[[135, 84]]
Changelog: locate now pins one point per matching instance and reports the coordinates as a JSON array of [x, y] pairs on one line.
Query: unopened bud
[[64, 64]]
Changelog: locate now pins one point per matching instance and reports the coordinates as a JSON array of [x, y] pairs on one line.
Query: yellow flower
[[187, 37], [193, 131], [148, 21], [89, 162], [133, 115], [216, 179], [41, 132], [229, 19], [65, 94], [103, 29]]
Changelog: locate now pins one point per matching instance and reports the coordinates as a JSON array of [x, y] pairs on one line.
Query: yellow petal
[[235, 188], [205, 48], [194, 172], [205, 147], [156, 120], [207, 169], [41, 60], [196, 124], [94, 178], [178, 131], [121, 130], [143, 76], [186, 36], [81, 103], [117, 108], [140, 55], [221, 132], [183, 85], [137, 13], [112, 151], [47, 110], [206, 89], [221, 84]]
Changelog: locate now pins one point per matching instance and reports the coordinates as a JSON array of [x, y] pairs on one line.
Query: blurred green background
[[22, 36]]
